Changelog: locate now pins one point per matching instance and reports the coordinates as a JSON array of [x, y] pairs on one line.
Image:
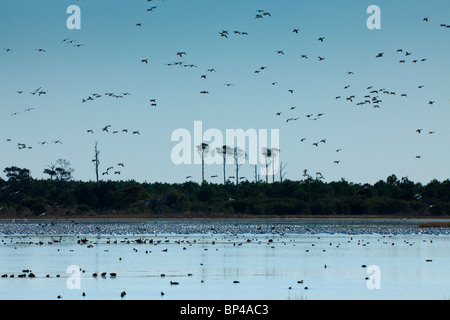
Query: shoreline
[[268, 219], [230, 226]]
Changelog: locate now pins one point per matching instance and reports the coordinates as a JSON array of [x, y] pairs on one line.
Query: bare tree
[[282, 174], [51, 170], [269, 155], [255, 166], [204, 150], [239, 156], [96, 160], [63, 170], [225, 151]]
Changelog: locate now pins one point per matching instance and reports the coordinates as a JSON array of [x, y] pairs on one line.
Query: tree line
[[21, 195]]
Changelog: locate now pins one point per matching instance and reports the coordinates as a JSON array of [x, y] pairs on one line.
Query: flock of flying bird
[[372, 97]]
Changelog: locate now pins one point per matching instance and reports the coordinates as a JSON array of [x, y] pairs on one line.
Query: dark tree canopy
[[60, 196]]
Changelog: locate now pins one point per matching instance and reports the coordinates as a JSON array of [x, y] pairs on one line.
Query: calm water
[[206, 265]]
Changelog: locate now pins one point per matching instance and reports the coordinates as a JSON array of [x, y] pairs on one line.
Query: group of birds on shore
[[227, 243]]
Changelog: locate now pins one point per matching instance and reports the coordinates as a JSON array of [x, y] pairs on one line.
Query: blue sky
[[375, 142]]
